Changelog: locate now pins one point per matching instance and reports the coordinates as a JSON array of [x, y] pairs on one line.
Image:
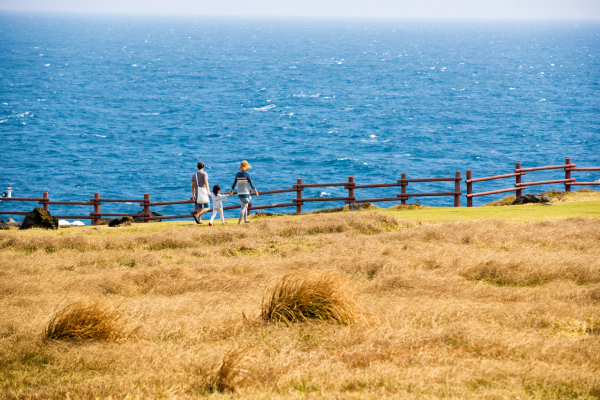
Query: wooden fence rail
[[298, 188]]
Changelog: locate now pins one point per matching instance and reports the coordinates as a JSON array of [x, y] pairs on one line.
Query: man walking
[[200, 192]]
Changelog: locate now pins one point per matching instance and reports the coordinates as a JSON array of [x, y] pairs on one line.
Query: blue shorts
[[203, 205], [244, 198]]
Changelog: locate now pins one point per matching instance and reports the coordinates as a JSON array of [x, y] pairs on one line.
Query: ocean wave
[[307, 95], [265, 108]]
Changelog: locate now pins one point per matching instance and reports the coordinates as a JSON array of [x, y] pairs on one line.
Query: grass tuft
[[86, 320], [402, 207], [507, 201], [228, 373], [310, 295]]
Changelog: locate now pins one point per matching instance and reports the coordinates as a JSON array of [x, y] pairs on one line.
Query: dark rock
[[267, 214], [354, 206], [152, 214], [123, 221], [39, 218], [531, 198]]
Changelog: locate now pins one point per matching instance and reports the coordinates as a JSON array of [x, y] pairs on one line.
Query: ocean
[[127, 105]]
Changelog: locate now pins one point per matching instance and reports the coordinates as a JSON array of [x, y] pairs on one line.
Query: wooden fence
[[519, 186], [297, 202]]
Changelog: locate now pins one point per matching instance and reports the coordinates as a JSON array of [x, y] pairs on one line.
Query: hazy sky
[[325, 8]]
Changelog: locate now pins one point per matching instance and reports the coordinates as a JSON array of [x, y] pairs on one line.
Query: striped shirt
[[244, 182]]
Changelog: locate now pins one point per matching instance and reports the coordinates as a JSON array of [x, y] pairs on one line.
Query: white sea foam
[[100, 136], [46, 65], [3, 121], [324, 194], [512, 88], [266, 108], [260, 90], [542, 100], [307, 95], [134, 65], [372, 136], [293, 67]]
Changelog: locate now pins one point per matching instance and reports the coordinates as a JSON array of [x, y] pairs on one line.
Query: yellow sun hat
[[244, 166]]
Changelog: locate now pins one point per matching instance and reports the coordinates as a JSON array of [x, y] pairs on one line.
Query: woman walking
[[200, 192], [244, 182]]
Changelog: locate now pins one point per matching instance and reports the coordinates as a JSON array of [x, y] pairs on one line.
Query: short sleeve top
[[200, 178]]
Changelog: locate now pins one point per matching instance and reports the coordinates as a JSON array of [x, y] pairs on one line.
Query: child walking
[[217, 204]]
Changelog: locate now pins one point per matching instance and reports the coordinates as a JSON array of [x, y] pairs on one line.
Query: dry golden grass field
[[373, 305]]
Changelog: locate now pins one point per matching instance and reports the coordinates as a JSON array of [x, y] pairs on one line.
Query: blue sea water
[[126, 105]]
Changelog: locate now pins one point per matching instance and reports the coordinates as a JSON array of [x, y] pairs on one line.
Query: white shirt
[[217, 200]]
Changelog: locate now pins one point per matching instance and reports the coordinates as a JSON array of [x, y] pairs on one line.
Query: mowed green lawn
[[526, 212]]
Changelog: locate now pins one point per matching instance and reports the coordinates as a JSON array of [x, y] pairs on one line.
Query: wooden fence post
[[351, 190], [96, 220], [403, 187], [46, 200], [518, 178], [469, 188], [457, 189], [298, 196], [146, 207], [567, 175]]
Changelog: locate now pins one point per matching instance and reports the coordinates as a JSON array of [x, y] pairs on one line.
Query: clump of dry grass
[[411, 206], [507, 201], [330, 210], [86, 320], [576, 195], [228, 373], [310, 295]]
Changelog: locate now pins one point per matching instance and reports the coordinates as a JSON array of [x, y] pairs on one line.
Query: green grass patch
[[525, 212]]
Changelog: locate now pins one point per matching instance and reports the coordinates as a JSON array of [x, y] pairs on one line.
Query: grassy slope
[[494, 302], [527, 212]]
